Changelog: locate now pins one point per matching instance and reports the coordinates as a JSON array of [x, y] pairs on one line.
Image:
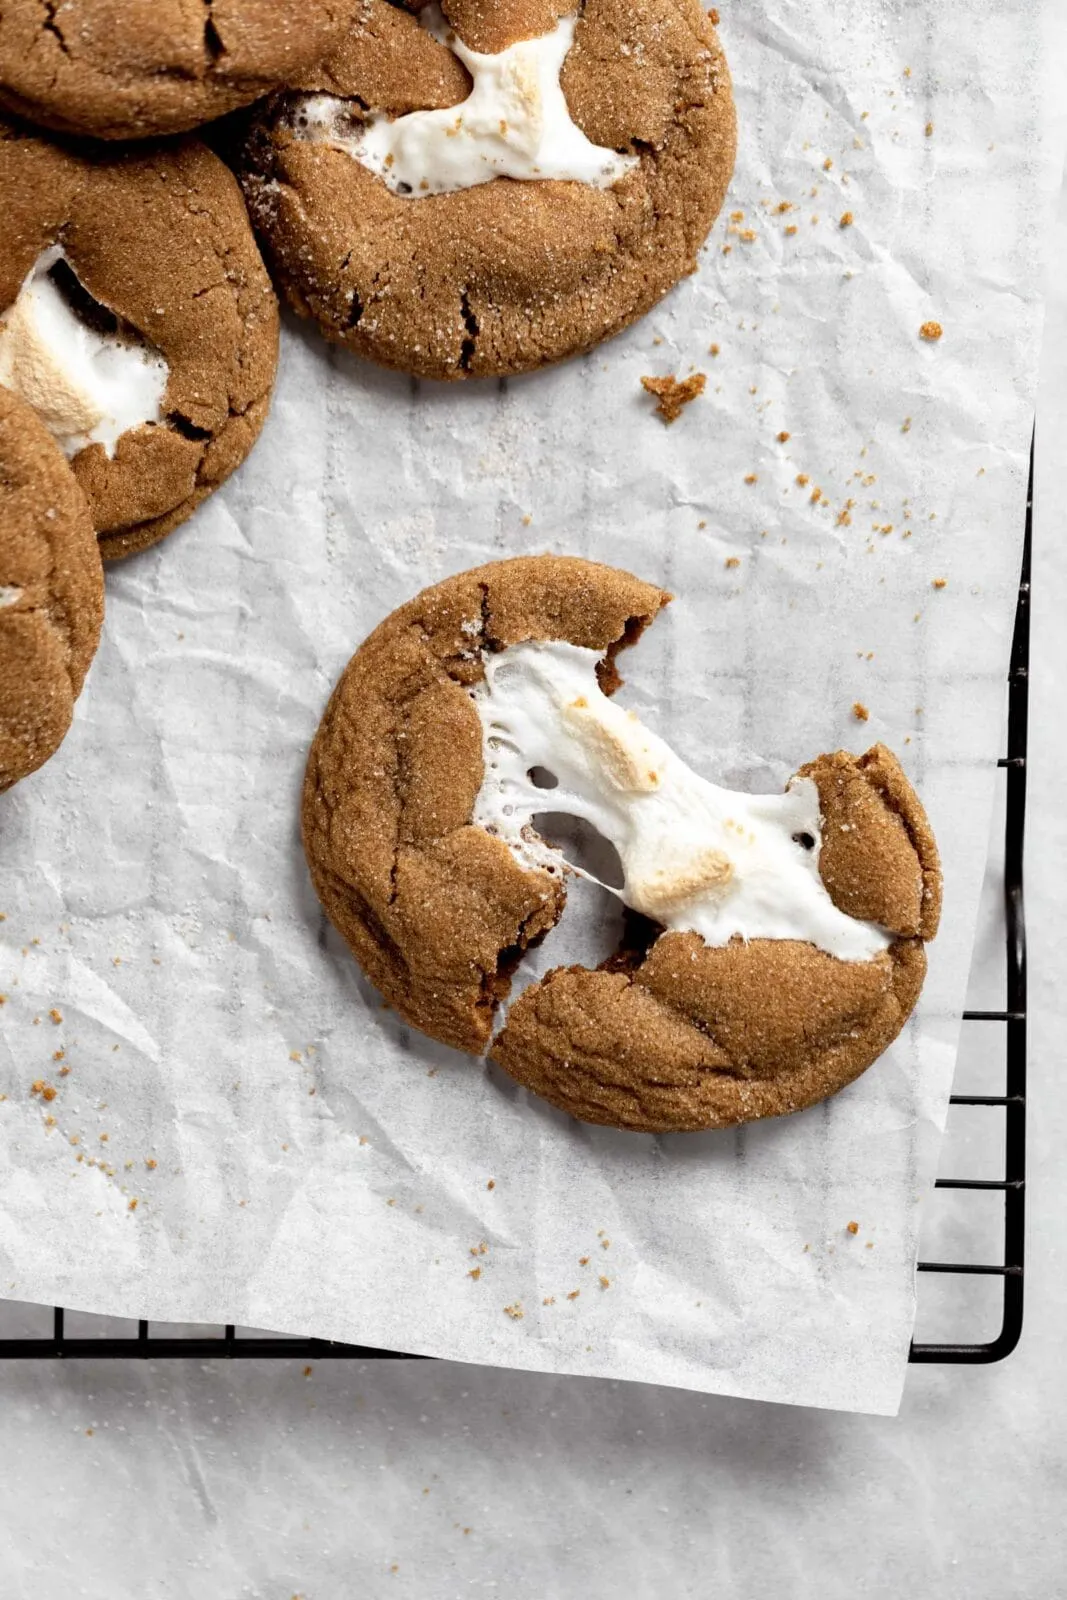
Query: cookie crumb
[[713, 16], [929, 130], [514, 1311], [847, 219], [605, 1244], [549, 1300], [732, 561], [56, 1016], [790, 230], [827, 165], [491, 1184], [475, 1273], [853, 1228], [605, 1283], [931, 331], [751, 477], [574, 1294], [132, 1205], [583, 1261], [939, 583], [713, 349], [784, 437], [673, 395], [803, 480], [859, 711]]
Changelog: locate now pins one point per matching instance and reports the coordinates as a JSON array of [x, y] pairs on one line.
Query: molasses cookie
[[125, 69], [137, 318], [51, 592], [496, 186], [775, 943]]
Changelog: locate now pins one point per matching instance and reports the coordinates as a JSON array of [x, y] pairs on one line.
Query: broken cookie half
[[775, 943]]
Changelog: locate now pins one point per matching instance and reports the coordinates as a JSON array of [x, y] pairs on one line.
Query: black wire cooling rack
[[1012, 1103]]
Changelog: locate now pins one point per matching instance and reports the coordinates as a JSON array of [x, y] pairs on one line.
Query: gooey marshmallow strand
[[514, 124], [695, 857], [86, 387]]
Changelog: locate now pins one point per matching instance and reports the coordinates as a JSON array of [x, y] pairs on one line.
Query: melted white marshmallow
[[515, 123], [9, 594], [86, 387], [695, 857]]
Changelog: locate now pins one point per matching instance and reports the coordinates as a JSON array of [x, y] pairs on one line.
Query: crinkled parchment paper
[[244, 1133]]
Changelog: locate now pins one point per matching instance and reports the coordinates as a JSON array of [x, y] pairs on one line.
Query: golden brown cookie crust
[[131, 69], [671, 1034], [51, 592], [506, 276], [161, 238]]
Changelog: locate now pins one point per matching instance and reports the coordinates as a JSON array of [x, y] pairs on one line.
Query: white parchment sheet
[[244, 1134]]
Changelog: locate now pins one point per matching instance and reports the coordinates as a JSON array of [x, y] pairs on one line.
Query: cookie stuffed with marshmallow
[[777, 946]]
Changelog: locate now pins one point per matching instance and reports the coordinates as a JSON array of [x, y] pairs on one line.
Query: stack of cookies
[[475, 190]]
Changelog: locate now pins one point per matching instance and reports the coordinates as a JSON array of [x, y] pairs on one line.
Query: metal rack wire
[[1012, 1102]]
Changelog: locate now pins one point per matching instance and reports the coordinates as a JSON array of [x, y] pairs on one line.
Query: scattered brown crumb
[[732, 561], [803, 480], [527, 519], [56, 1016], [713, 16], [931, 331], [783, 206], [859, 711], [307, 1372], [847, 219], [844, 516], [479, 1249], [827, 164], [57, 1055], [673, 395], [713, 349], [939, 583], [605, 1244], [491, 1184], [790, 230], [751, 477], [583, 1261], [475, 1273], [784, 437], [853, 1228], [702, 523], [816, 495], [49, 1122], [574, 1294], [737, 216], [294, 1055], [549, 1300], [870, 1242], [605, 1283], [515, 1312], [132, 1205], [747, 236]]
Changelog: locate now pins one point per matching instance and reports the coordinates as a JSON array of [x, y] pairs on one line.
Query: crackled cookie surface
[[775, 943], [51, 592], [501, 184], [127, 69], [137, 318]]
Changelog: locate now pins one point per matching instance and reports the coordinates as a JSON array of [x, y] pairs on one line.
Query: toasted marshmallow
[[695, 857], [87, 387], [515, 123]]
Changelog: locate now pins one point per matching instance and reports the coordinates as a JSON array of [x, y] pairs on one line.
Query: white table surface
[[432, 1480]]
